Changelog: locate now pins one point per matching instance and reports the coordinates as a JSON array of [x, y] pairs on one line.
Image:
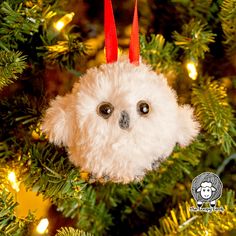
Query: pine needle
[[11, 65], [215, 114], [69, 231]]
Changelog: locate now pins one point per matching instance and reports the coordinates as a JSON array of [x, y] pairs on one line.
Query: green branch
[[11, 65], [18, 23], [181, 221], [194, 39], [228, 21], [9, 223], [71, 232], [215, 114], [161, 55], [65, 52]]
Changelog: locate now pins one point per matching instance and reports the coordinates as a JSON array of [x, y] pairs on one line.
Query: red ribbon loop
[[134, 50], [111, 42]]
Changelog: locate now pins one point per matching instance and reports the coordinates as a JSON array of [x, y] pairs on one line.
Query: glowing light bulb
[[63, 21], [13, 181], [59, 25], [192, 70], [42, 226]]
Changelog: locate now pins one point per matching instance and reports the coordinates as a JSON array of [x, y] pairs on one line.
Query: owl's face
[[119, 121]]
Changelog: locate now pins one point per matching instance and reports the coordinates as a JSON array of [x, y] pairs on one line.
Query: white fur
[[99, 145]]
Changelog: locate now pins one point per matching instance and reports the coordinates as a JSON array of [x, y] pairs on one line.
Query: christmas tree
[[45, 46]]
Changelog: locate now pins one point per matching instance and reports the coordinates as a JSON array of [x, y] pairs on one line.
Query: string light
[[12, 179], [192, 70], [42, 226], [63, 21]]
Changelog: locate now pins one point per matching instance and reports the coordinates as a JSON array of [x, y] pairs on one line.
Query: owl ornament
[[121, 119]]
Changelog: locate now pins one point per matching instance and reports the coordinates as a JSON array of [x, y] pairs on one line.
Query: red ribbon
[[134, 50], [111, 42]]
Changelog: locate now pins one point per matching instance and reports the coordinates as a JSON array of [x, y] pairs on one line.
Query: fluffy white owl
[[119, 121]]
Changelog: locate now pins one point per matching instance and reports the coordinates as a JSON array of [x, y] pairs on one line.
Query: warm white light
[[13, 181], [42, 226], [63, 21], [59, 25], [192, 70]]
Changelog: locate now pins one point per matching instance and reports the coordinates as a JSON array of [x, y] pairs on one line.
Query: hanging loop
[[134, 50], [111, 42]]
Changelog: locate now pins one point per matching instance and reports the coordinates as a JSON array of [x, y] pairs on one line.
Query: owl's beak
[[124, 120]]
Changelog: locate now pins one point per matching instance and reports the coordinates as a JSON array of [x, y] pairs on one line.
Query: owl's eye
[[143, 108], [105, 110]]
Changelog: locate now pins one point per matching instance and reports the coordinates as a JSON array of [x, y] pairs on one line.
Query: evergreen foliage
[[160, 55], [9, 223], [65, 52], [17, 23], [194, 39], [213, 109], [228, 20], [181, 221], [71, 232], [11, 65], [158, 205]]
